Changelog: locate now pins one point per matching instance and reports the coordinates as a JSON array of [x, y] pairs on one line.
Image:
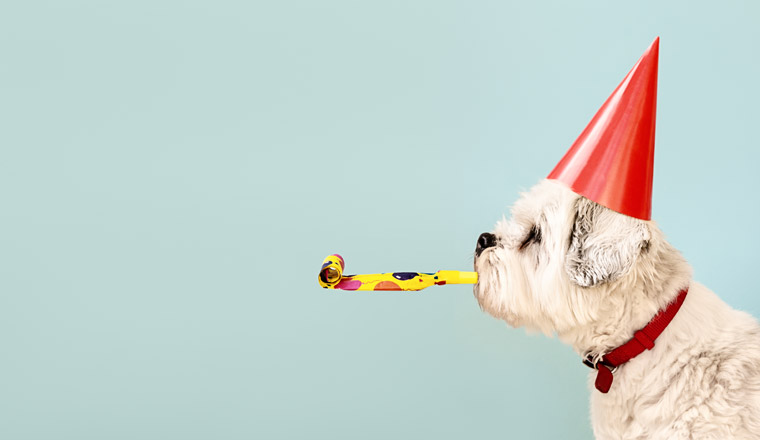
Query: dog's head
[[555, 263]]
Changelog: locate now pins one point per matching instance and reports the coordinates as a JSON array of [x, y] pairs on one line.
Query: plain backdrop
[[172, 174]]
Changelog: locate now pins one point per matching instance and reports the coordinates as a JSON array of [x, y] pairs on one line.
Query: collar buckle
[[594, 364], [589, 361]]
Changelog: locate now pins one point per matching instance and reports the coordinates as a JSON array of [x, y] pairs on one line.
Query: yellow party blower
[[331, 277]]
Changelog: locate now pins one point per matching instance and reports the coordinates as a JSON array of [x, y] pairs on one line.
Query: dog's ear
[[603, 244]]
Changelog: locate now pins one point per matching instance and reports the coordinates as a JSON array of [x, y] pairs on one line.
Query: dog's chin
[[483, 288], [489, 289]]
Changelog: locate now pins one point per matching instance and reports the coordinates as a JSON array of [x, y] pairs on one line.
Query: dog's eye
[[533, 236]]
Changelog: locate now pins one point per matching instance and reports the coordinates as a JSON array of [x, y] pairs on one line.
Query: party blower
[[331, 277]]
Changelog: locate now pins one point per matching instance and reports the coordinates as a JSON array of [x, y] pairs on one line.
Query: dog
[[566, 265]]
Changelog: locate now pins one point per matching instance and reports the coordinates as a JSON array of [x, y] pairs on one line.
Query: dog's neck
[[629, 307]]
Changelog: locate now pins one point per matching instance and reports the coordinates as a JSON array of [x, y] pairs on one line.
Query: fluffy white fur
[[593, 277]]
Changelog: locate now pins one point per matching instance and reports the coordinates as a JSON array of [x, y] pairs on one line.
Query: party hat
[[612, 161]]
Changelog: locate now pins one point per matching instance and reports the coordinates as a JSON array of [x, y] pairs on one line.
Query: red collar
[[642, 340]]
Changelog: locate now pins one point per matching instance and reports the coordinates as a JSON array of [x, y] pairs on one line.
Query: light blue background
[[173, 173]]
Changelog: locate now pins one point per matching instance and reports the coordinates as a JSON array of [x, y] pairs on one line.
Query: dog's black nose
[[485, 241]]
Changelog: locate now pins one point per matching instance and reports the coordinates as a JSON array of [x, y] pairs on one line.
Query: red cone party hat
[[612, 161]]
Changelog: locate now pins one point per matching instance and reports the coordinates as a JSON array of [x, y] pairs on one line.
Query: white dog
[[564, 264]]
